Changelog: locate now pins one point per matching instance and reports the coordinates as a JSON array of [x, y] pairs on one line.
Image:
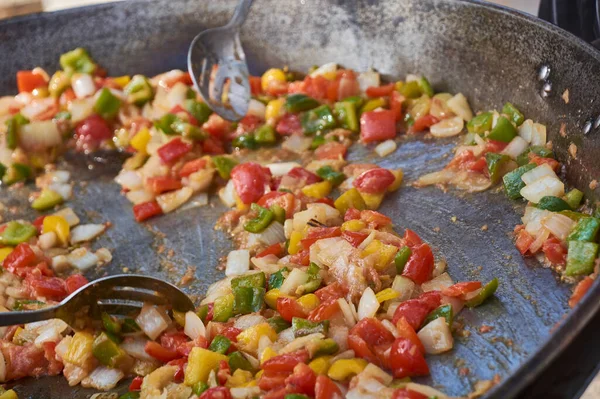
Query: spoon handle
[[240, 13], [24, 317]]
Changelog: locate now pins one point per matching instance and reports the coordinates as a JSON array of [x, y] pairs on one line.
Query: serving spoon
[[217, 65]]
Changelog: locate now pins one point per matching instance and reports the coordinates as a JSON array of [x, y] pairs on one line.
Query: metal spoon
[[222, 47]]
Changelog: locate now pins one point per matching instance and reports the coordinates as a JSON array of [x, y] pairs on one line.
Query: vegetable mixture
[[322, 298]]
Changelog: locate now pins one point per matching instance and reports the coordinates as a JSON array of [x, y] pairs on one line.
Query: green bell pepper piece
[[553, 204], [16, 173], [300, 102], [220, 344], [129, 326], [199, 110], [486, 292], [62, 115], [203, 313], [265, 135], [581, 257], [130, 395], [332, 176], [139, 90], [425, 86], [224, 165], [3, 170], [16, 233], [495, 163], [223, 308], [322, 347], [444, 311], [302, 327], [278, 323], [107, 105], [513, 183], [47, 199], [28, 304], [573, 198], [199, 388], [278, 213], [575, 216], [513, 114], [539, 150], [108, 352], [247, 300], [346, 115], [586, 229], [358, 101], [373, 104], [503, 131], [261, 221], [276, 279], [318, 119], [401, 258], [238, 361], [59, 82], [481, 123], [245, 141], [296, 396], [165, 124], [411, 89], [77, 60], [317, 141], [254, 280], [12, 130], [111, 324], [314, 281]]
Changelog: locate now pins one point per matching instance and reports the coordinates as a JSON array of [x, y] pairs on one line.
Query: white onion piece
[[456, 303], [200, 180], [426, 390], [257, 109], [39, 136], [139, 196], [198, 200], [82, 259], [153, 321], [437, 284], [559, 225], [440, 177], [386, 148], [63, 189], [300, 342], [526, 130], [129, 179], [368, 304], [272, 234], [227, 194], [81, 109], [328, 250], [103, 378], [347, 312], [250, 320], [339, 334], [540, 238], [436, 337], [238, 262], [390, 327], [177, 95], [294, 280], [537, 173], [533, 225], [194, 327], [50, 332], [368, 79], [282, 168], [47, 240], [447, 127], [286, 336], [37, 107], [170, 201], [324, 69], [516, 147], [404, 286], [328, 212], [215, 290], [86, 232], [135, 347], [244, 392], [297, 143], [545, 186], [60, 176], [460, 106], [538, 136], [83, 85]]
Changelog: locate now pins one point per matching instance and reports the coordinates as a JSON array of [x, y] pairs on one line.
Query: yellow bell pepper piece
[[372, 201], [80, 348], [330, 75], [385, 253], [141, 140], [239, 378], [321, 364], [258, 375], [386, 295], [271, 297], [59, 226], [10, 394], [240, 205], [353, 225], [122, 80], [309, 301], [398, 85], [179, 318], [344, 369], [273, 110], [200, 363], [373, 104], [318, 190], [350, 199], [267, 354], [295, 244], [248, 339], [399, 174], [4, 252], [272, 75]]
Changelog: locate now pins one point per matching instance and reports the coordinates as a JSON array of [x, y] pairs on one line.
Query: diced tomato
[[325, 311], [248, 124], [289, 124], [302, 174], [405, 330], [555, 251], [396, 100], [285, 200], [368, 334], [21, 256], [302, 380], [289, 308], [495, 146], [275, 249], [416, 310], [377, 125], [159, 352], [185, 348], [277, 88], [231, 333], [375, 219], [348, 85], [380, 91], [183, 113], [404, 393], [354, 237], [216, 393], [48, 113], [420, 264], [462, 288], [330, 292], [273, 382], [524, 241], [424, 122], [301, 258], [38, 223], [333, 89], [407, 360], [331, 150], [173, 340], [285, 363], [412, 239], [50, 287], [161, 184], [75, 282], [250, 180], [316, 87], [326, 389], [216, 126], [173, 150], [146, 210], [180, 373], [136, 384], [580, 290], [27, 81], [351, 214], [374, 181], [213, 146], [66, 97], [224, 372], [192, 167], [466, 160], [318, 233], [479, 165], [536, 159], [255, 85], [92, 131], [25, 361], [327, 201]]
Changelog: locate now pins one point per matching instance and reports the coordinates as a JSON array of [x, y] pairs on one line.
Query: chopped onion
[[244, 392], [460, 106], [390, 327], [439, 267], [282, 168], [272, 234], [200, 180], [177, 95], [326, 251], [330, 67], [256, 108], [135, 347], [347, 312], [515, 147], [297, 143], [339, 334], [39, 136], [139, 196], [472, 182], [538, 136], [60, 176], [425, 390], [540, 238], [329, 213], [294, 280], [194, 327], [198, 200], [170, 201], [386, 148], [559, 225], [86, 232], [286, 336], [81, 109], [249, 320], [368, 79], [348, 354], [537, 173], [436, 337], [37, 106], [82, 259], [368, 304], [301, 342], [103, 378], [153, 320], [227, 194], [215, 290], [545, 186], [437, 284], [83, 85], [65, 190], [288, 228], [440, 177], [129, 179], [526, 130], [404, 286], [47, 240], [448, 127], [532, 213], [456, 303], [238, 262], [50, 332]]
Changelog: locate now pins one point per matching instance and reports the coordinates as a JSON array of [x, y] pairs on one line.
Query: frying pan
[[489, 53]]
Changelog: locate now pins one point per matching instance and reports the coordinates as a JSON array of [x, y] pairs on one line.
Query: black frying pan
[[489, 53]]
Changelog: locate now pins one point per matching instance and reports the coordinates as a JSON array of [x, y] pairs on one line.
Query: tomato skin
[[331, 150], [580, 290], [93, 130], [27, 81], [404, 393], [38, 223], [326, 389], [161, 184], [275, 249], [146, 210], [289, 308], [374, 181], [173, 150], [377, 125], [324, 311], [285, 200], [159, 352], [524, 241], [407, 360], [330, 292], [319, 233], [396, 100], [405, 330], [182, 112], [302, 380], [216, 393], [495, 146], [375, 219], [173, 340], [462, 288], [212, 146], [354, 237], [21, 256], [554, 251], [255, 85], [416, 310], [348, 85], [75, 282], [248, 124], [380, 91], [192, 167], [420, 264], [289, 124], [466, 160], [316, 87], [366, 337], [223, 372], [536, 159], [327, 201], [303, 174], [412, 239], [351, 214], [50, 287], [136, 384], [273, 382], [424, 122], [216, 126], [285, 363], [301, 258], [249, 181]]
